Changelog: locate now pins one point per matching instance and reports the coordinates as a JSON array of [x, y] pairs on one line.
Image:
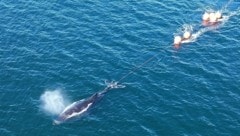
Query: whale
[[79, 108]]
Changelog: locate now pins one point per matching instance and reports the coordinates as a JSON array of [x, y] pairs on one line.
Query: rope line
[[138, 67]]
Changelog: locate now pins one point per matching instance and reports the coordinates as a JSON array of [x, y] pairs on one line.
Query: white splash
[[53, 102]]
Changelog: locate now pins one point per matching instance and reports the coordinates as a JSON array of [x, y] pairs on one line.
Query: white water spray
[[53, 102]]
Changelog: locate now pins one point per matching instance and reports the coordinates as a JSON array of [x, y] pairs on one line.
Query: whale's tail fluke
[[113, 84]]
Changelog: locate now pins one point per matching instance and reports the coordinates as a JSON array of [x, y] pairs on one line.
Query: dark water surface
[[73, 46]]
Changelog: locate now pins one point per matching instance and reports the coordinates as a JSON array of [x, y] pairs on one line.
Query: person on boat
[[186, 35], [211, 18], [178, 39]]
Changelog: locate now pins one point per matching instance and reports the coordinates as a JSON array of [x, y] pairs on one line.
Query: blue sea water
[[71, 47]]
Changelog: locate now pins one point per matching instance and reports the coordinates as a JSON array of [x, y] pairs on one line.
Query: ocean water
[[56, 52]]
